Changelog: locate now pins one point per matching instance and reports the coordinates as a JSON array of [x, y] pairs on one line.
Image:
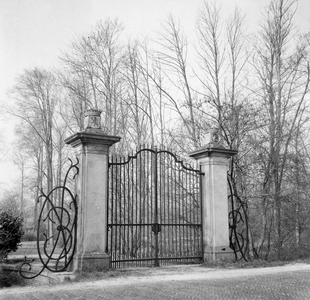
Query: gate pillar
[[213, 161], [92, 148]]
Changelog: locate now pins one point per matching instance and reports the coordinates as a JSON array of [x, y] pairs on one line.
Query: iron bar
[[156, 208], [175, 208]]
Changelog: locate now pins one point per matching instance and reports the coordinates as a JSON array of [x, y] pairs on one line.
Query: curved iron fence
[[58, 218], [238, 225]]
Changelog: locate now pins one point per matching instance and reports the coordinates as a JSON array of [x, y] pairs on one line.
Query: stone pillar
[[92, 149], [213, 159]]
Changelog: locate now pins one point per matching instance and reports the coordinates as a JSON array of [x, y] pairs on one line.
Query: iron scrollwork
[[58, 215], [237, 225]]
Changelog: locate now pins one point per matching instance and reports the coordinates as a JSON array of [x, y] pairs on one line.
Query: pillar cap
[[212, 151], [97, 137]]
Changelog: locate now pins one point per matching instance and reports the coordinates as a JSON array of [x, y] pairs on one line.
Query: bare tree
[[92, 72], [137, 98], [283, 71], [211, 54], [173, 59], [35, 95]]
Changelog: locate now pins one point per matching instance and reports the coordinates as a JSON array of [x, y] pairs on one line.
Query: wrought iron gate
[[154, 214]]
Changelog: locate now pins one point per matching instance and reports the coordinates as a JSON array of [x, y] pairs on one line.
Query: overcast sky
[[34, 32]]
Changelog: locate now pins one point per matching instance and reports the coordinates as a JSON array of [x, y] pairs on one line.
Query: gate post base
[[93, 262], [219, 254]]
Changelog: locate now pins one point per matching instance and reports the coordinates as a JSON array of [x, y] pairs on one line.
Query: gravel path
[[182, 282]]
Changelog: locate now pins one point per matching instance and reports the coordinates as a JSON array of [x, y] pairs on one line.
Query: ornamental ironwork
[[58, 221], [154, 214], [238, 224]]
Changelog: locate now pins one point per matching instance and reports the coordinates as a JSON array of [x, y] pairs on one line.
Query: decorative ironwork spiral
[[58, 215], [237, 225]]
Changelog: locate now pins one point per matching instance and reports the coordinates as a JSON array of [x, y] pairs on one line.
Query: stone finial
[[92, 120], [214, 138]]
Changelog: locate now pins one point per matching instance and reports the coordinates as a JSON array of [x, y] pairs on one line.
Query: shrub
[[11, 278], [11, 231]]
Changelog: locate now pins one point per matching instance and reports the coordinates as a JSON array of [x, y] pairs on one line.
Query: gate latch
[[156, 228]]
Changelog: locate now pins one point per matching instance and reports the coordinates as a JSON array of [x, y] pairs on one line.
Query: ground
[[180, 282]]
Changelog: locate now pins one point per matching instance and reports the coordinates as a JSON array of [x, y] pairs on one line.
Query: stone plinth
[[214, 163], [92, 148]]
